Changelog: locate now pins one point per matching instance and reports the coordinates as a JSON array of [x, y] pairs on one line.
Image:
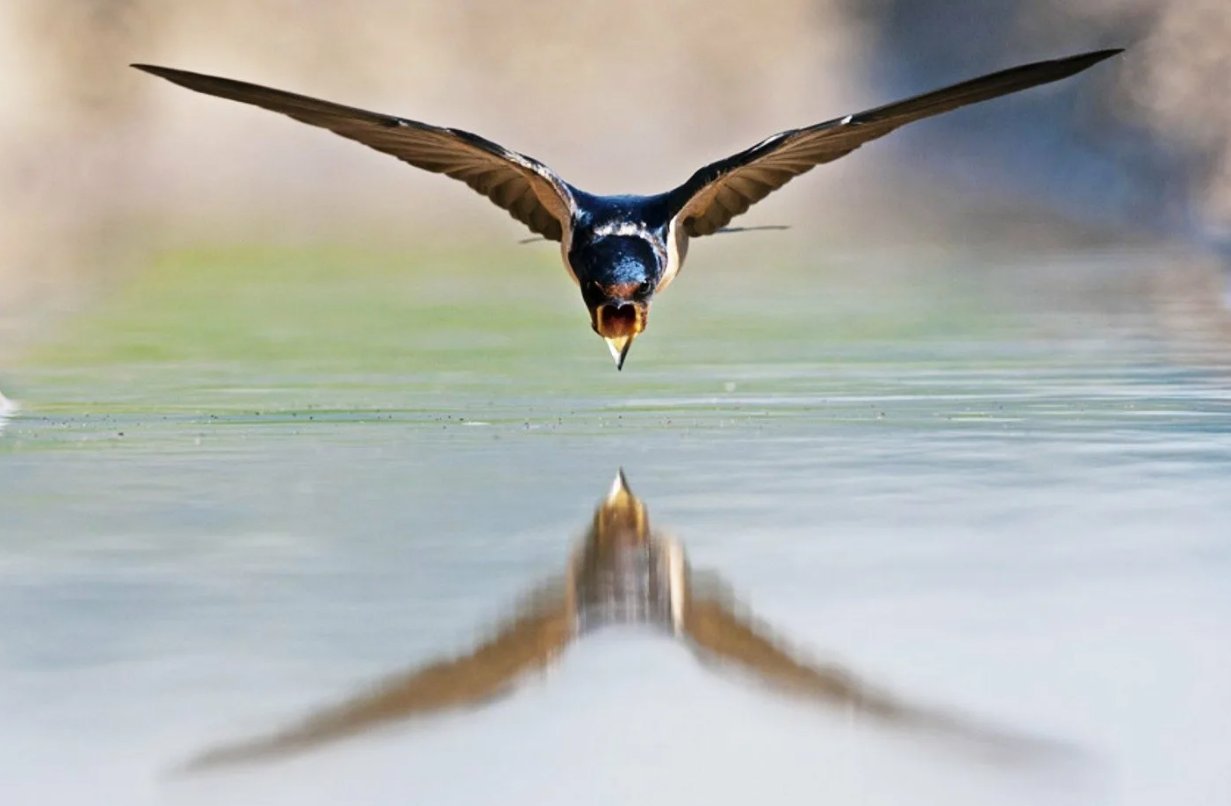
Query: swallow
[[622, 250], [623, 572]]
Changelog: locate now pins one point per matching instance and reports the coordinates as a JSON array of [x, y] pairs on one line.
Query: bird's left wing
[[529, 190], [724, 189]]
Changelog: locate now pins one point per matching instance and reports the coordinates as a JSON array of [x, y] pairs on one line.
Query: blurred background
[[290, 417], [99, 160]]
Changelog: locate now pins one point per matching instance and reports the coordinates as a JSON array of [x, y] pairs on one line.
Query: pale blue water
[[1024, 522]]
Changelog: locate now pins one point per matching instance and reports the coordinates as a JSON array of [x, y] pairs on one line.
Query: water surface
[[252, 483]]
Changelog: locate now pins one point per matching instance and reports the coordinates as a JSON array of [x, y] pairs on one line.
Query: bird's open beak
[[619, 324]]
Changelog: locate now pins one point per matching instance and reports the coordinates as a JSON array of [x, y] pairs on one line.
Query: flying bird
[[622, 250]]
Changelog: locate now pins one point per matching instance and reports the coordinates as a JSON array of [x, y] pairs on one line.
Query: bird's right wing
[[529, 190], [720, 635], [724, 189]]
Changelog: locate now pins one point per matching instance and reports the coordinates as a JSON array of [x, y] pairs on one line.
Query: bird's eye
[[644, 289]]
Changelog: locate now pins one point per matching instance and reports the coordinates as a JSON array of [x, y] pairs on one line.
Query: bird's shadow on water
[[625, 572]]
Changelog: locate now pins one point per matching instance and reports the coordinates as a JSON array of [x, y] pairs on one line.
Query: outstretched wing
[[724, 189], [719, 635], [529, 190], [530, 642]]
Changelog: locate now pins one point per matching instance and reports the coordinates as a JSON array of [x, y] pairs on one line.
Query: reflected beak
[[621, 518], [619, 345], [619, 495]]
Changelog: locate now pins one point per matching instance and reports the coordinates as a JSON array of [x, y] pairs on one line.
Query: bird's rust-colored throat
[[616, 320], [619, 323]]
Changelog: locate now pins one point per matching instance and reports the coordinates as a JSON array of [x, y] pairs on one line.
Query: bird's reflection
[[624, 572]]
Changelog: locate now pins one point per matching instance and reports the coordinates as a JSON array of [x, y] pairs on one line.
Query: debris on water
[[7, 409]]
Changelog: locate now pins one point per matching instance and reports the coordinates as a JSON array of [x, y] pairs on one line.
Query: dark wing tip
[[152, 68], [1094, 57], [1070, 65], [184, 78], [1106, 53]]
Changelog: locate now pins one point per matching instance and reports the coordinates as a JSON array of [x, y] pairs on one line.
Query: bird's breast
[[626, 584]]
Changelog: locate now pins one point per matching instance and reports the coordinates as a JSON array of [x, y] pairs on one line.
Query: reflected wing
[[727, 188], [722, 636], [530, 642], [530, 191]]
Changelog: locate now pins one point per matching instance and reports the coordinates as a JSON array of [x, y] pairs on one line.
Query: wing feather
[[724, 189], [530, 191], [528, 643], [720, 635]]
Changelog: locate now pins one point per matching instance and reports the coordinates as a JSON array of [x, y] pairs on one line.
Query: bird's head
[[621, 519], [618, 275]]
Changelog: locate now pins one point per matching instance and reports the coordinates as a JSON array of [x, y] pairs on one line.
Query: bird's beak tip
[[619, 347]]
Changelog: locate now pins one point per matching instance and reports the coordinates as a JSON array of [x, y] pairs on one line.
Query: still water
[[940, 528]]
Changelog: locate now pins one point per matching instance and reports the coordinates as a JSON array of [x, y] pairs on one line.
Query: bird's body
[[625, 572], [622, 250]]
